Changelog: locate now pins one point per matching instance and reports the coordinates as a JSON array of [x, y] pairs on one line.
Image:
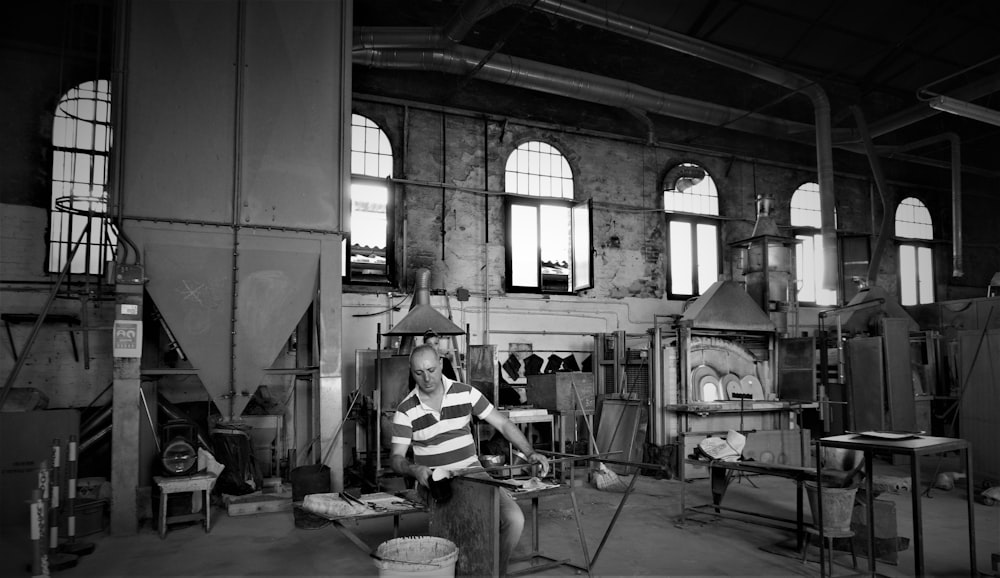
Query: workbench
[[378, 505], [471, 519], [914, 447]]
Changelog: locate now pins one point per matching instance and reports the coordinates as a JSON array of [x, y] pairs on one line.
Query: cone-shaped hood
[[726, 306], [865, 320], [422, 317]]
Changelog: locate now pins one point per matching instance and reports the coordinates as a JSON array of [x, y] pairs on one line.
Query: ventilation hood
[[726, 306], [422, 317], [864, 319]]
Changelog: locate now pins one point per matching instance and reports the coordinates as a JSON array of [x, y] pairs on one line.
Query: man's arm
[[515, 437], [403, 466]]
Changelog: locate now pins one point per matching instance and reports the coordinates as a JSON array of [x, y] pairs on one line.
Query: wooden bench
[[173, 485]]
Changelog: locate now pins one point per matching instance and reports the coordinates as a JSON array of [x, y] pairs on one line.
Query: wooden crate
[[553, 390]]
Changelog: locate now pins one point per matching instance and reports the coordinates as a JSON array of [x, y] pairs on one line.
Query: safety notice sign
[[127, 338]]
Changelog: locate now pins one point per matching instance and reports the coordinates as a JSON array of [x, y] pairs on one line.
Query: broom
[[600, 475]]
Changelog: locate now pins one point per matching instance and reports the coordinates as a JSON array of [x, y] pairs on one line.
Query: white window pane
[[357, 138], [85, 136], [371, 165], [100, 173], [343, 257], [555, 233], [369, 225], [708, 256], [524, 245], [907, 275], [81, 168], [925, 275], [680, 259], [522, 183]]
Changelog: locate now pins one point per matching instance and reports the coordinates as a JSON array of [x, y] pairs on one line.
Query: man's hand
[[422, 474], [537, 458]]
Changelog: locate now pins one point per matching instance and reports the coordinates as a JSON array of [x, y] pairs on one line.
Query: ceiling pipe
[[522, 73], [919, 112]]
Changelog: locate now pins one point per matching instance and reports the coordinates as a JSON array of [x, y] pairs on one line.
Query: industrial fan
[[179, 456]]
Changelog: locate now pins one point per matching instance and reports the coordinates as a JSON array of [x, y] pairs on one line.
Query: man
[[436, 419], [434, 340]]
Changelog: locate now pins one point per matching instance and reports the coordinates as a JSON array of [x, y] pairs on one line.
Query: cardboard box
[[553, 390]]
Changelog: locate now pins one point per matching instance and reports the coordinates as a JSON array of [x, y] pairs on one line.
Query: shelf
[[735, 406]]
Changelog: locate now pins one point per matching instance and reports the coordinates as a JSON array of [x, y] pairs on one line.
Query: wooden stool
[[196, 483], [828, 536]]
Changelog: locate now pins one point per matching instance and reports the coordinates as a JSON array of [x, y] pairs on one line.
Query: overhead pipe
[[523, 73]]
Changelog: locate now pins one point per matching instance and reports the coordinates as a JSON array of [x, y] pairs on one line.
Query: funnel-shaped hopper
[[191, 282]]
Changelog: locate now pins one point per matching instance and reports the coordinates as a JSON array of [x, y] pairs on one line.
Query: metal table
[[914, 447]]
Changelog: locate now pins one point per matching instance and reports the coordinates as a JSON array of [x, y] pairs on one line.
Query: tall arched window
[[809, 257], [548, 234], [915, 230], [691, 202], [369, 247], [81, 148]]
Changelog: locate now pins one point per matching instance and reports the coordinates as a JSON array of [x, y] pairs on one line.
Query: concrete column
[[126, 406], [331, 387]]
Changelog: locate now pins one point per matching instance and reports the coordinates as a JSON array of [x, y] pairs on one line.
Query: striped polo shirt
[[441, 439]]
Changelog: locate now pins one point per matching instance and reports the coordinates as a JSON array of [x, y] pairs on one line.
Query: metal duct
[[522, 73], [422, 317]]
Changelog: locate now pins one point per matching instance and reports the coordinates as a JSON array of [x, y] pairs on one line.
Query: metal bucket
[[416, 556], [838, 505]]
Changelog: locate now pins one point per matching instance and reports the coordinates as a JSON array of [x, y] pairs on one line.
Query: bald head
[[425, 367]]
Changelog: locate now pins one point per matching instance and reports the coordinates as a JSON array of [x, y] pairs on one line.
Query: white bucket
[[415, 556]]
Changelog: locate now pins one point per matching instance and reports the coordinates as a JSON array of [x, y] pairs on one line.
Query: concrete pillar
[[126, 406]]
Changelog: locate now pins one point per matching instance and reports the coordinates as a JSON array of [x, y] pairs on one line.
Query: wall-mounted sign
[[127, 338], [129, 309]]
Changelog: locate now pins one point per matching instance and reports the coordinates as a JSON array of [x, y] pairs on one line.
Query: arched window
[[81, 148], [914, 229], [809, 257], [369, 247], [548, 234], [690, 201]]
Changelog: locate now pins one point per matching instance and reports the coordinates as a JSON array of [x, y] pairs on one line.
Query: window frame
[[694, 220], [574, 284], [917, 244], [544, 170], [348, 276], [70, 215], [813, 234]]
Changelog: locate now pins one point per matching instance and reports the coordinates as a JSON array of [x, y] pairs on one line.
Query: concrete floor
[[647, 540]]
